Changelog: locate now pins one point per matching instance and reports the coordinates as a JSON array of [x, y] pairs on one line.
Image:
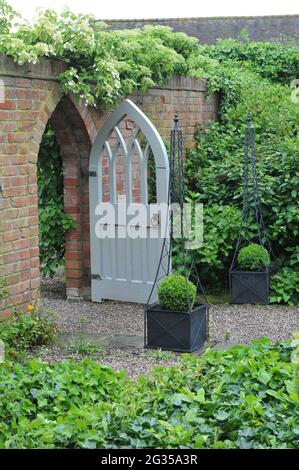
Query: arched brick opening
[[30, 103], [75, 145]]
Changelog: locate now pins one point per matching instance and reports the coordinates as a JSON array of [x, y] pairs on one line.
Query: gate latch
[[95, 276]]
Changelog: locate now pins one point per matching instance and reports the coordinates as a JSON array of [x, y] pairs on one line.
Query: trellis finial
[[176, 122], [249, 122]]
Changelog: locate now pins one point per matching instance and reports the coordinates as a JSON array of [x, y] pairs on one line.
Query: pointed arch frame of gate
[[154, 142]]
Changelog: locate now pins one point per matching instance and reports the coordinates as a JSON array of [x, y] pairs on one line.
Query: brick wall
[[184, 95], [32, 98], [208, 30]]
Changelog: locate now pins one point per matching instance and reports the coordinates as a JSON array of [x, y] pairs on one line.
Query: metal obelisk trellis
[[252, 228], [176, 198], [251, 213]]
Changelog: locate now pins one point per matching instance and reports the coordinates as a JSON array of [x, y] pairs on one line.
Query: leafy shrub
[[176, 293], [220, 231], [277, 61], [103, 65], [24, 330], [7, 14], [245, 397], [253, 257], [285, 287], [295, 359], [250, 80], [3, 293]]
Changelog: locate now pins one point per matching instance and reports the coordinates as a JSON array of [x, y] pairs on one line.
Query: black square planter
[[248, 287], [176, 331]]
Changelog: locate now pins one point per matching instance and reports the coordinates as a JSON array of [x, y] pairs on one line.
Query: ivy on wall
[[53, 222]]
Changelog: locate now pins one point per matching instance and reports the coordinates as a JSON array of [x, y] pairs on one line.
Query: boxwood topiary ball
[[172, 293], [253, 257]]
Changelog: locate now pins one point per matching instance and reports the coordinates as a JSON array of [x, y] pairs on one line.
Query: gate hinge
[[95, 276], [92, 173]]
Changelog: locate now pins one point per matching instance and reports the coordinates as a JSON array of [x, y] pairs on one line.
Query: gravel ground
[[244, 323], [228, 324], [133, 360], [111, 317], [236, 323]]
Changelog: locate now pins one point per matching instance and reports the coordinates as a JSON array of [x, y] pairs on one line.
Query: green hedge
[[256, 79]]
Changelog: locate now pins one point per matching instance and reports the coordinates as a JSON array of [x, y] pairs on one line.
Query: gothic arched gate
[[123, 265]]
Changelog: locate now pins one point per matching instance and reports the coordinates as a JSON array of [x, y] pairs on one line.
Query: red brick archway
[[32, 99]]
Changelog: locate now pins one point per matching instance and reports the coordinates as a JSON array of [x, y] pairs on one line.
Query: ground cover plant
[[26, 329], [242, 398], [285, 287]]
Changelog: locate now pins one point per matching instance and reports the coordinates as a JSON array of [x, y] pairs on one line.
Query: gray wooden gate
[[124, 268]]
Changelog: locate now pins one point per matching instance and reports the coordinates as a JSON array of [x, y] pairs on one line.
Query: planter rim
[[240, 271], [184, 312], [272, 270]]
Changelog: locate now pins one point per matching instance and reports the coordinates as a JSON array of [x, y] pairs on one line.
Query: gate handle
[[155, 220]]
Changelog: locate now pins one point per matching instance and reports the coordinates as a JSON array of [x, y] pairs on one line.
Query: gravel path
[[236, 323], [134, 361], [111, 317], [244, 323], [228, 324]]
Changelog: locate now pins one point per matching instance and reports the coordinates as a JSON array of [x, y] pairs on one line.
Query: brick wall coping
[[45, 69], [210, 28], [49, 69], [184, 83]]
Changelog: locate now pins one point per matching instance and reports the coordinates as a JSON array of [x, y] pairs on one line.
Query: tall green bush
[[285, 287], [257, 79], [220, 230]]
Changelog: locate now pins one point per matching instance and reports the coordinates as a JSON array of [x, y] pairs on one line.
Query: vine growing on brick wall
[[53, 221], [103, 65], [3, 293]]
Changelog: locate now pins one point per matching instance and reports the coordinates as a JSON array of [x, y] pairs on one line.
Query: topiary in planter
[[253, 258], [172, 293]]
